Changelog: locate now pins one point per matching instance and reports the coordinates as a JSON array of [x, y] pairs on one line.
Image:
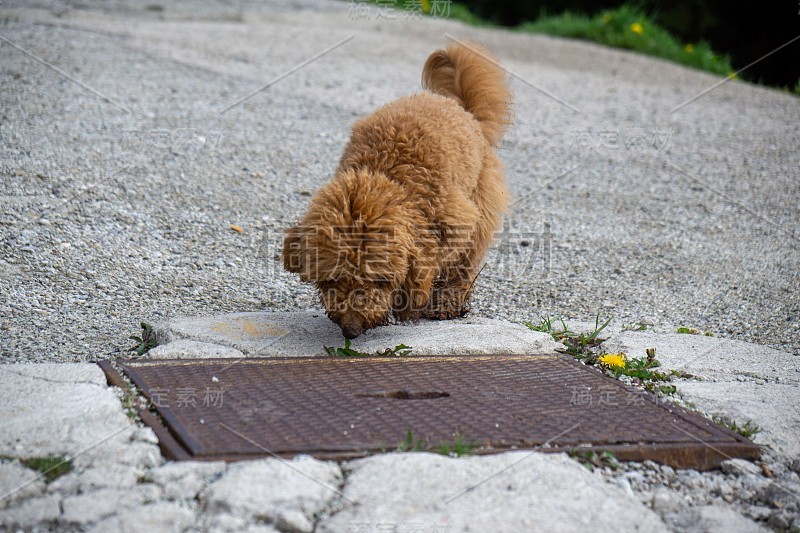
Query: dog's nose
[[351, 333], [351, 327]]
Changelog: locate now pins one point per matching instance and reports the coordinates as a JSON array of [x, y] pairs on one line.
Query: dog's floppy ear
[[294, 251]]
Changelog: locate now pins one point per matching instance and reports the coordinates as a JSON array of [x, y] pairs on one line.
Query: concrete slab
[[289, 494], [773, 407], [517, 491], [83, 480], [68, 410], [158, 516], [59, 409], [89, 507], [31, 512], [185, 479], [305, 333], [184, 348]]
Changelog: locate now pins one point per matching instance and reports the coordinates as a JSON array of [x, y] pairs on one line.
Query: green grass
[[51, 467], [592, 459], [694, 331], [409, 444], [623, 27], [642, 370], [458, 447], [585, 347], [130, 402], [578, 345], [746, 430], [630, 28], [146, 341], [346, 351]]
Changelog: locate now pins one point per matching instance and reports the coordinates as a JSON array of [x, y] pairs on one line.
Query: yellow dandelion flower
[[689, 48], [613, 359], [637, 28], [426, 6]]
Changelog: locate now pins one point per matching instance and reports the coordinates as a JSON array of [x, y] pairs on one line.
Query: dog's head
[[355, 245]]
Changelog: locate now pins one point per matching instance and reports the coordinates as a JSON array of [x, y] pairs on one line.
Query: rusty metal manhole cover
[[333, 407]]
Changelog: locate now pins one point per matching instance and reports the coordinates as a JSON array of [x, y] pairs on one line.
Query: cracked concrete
[[33, 373], [28, 430], [430, 492], [288, 494]]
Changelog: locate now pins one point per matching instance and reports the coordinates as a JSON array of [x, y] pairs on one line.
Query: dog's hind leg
[[452, 289], [449, 298]]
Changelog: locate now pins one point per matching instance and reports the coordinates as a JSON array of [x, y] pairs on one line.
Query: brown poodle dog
[[402, 228]]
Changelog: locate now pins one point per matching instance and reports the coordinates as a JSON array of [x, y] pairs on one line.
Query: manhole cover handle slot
[[404, 395]]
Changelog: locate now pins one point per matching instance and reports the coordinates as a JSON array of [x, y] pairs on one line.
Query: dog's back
[[437, 139], [424, 141]]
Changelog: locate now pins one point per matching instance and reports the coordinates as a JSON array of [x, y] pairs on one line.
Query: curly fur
[[404, 224]]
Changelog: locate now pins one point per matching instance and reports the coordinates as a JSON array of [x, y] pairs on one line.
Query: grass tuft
[[642, 371], [409, 444], [694, 331], [146, 341], [578, 345], [747, 430], [458, 447], [346, 351], [51, 467], [592, 459]]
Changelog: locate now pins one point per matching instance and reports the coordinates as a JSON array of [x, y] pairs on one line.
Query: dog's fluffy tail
[[468, 74]]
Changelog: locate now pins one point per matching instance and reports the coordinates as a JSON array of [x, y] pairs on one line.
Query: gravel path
[[118, 208]]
